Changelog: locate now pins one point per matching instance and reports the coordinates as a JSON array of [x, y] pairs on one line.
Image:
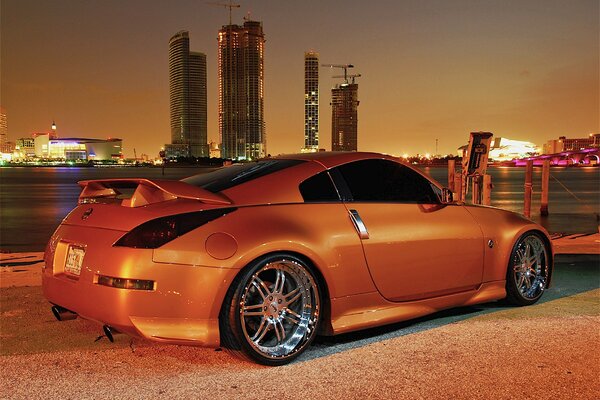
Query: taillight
[[157, 232]]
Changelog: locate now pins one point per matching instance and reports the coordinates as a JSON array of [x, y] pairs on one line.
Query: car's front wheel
[[272, 310], [528, 270]]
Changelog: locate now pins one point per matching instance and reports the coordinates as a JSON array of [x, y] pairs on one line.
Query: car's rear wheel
[[272, 310], [528, 270]]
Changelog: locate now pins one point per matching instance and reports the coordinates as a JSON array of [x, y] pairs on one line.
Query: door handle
[[359, 224]]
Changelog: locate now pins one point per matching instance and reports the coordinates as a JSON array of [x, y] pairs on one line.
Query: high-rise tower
[[344, 117], [311, 101], [3, 129], [187, 96], [241, 91]]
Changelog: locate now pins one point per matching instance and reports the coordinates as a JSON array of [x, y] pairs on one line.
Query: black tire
[[272, 310], [528, 270]]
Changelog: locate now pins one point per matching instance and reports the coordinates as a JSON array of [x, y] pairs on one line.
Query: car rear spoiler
[[147, 191]]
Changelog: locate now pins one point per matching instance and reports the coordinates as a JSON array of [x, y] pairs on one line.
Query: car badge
[[87, 213]]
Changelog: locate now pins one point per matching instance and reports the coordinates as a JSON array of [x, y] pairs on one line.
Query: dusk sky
[[526, 70]]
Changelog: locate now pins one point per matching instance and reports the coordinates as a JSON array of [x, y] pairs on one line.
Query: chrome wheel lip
[[530, 267], [278, 319]]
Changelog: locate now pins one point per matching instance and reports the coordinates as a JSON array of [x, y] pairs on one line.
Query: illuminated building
[[567, 144], [241, 91], [503, 149], [215, 151], [50, 147], [344, 117], [187, 99], [25, 147], [4, 145], [311, 102]]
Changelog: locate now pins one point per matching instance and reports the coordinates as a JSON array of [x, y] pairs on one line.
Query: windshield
[[228, 177]]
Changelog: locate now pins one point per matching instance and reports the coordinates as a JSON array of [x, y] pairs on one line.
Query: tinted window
[[384, 180], [228, 177], [318, 188]]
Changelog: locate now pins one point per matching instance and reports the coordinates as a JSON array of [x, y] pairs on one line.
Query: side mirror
[[447, 196]]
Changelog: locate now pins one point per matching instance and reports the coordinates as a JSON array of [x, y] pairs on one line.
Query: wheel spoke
[[520, 280], [253, 314], [261, 331], [279, 282], [262, 287], [292, 316], [292, 296], [279, 331]]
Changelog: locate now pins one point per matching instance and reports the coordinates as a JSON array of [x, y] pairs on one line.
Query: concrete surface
[[549, 350]]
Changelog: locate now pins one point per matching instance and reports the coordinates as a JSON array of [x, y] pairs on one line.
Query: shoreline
[[25, 269]]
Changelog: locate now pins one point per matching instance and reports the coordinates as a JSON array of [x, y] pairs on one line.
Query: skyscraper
[[344, 117], [241, 91], [187, 96], [311, 101], [3, 129]]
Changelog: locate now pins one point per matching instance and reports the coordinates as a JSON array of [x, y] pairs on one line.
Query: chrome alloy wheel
[[279, 309], [530, 267]]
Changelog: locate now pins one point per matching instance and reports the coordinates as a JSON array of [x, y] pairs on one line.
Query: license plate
[[74, 260]]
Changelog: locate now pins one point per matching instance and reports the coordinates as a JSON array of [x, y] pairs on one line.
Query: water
[[33, 201], [574, 195]]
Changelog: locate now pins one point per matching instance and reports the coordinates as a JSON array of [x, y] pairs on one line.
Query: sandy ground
[[550, 350]]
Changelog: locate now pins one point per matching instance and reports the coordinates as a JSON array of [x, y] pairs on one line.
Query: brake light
[[157, 232]]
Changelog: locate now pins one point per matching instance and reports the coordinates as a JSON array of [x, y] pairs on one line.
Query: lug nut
[[270, 297], [279, 301]]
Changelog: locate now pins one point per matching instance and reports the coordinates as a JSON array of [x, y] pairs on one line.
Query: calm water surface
[[33, 201]]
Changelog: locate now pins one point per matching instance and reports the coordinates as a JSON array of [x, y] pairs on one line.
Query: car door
[[415, 247]]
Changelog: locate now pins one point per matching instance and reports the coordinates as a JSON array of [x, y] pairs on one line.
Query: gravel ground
[[551, 350]]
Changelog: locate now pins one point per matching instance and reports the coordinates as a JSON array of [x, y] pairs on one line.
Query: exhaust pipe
[[62, 314], [109, 332]]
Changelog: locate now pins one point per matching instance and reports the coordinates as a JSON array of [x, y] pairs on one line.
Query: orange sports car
[[263, 256]]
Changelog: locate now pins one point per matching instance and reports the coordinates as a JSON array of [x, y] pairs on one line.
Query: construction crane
[[346, 77], [343, 66], [229, 5]]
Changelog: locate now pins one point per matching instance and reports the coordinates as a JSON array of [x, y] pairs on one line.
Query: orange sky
[[527, 70]]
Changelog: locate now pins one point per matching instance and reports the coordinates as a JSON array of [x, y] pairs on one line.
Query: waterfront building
[[241, 91], [25, 147], [5, 145], [48, 146], [344, 117], [572, 144], [504, 149], [187, 99], [311, 102]]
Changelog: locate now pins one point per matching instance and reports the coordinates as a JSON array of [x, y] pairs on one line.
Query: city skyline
[[432, 70]]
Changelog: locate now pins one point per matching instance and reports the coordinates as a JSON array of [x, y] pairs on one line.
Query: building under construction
[[344, 117], [241, 91]]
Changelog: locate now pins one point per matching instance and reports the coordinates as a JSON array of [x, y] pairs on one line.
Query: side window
[[386, 181], [318, 188]]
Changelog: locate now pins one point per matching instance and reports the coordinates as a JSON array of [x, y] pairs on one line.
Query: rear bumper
[[183, 307]]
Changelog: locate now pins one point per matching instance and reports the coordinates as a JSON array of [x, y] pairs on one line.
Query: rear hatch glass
[[228, 177]]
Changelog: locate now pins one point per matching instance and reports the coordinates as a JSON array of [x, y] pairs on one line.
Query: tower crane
[[347, 76], [229, 5], [342, 66]]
